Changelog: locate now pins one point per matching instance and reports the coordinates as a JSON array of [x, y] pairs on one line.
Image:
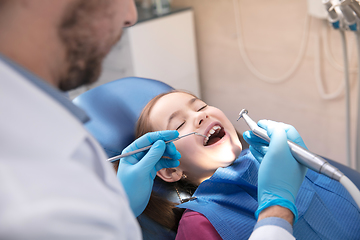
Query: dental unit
[[117, 158], [306, 158], [344, 15]]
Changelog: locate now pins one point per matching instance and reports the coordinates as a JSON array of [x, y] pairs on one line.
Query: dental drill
[[303, 156], [308, 159]]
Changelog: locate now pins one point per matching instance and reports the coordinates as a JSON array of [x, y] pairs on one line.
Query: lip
[[222, 139]]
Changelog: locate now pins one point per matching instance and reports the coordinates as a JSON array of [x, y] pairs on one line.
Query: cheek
[[102, 35], [188, 149], [183, 146], [218, 114]]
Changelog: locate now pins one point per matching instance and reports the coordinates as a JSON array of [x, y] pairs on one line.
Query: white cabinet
[[161, 48]]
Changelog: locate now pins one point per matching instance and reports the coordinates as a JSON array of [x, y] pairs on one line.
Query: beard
[[84, 49]]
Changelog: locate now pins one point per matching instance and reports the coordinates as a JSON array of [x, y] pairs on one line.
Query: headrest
[[114, 108]]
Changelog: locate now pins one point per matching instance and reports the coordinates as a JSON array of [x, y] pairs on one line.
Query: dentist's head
[[64, 42]]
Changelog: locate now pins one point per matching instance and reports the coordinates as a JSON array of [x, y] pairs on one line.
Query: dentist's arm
[[137, 172], [278, 212], [280, 178], [274, 223]]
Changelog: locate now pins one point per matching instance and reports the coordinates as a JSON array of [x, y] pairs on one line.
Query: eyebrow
[[176, 113]]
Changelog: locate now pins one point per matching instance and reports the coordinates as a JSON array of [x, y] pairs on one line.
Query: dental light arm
[[308, 159]]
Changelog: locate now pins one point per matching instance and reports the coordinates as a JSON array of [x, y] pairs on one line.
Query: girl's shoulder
[[194, 225]]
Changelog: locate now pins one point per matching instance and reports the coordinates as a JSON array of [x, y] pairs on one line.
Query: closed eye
[[182, 124], [202, 108]]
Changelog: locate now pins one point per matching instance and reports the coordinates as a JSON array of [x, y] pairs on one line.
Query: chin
[[78, 76], [229, 158]]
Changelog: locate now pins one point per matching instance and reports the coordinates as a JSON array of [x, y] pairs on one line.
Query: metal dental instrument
[[117, 158], [303, 156]]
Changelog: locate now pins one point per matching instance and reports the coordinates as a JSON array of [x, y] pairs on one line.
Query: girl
[[223, 180]]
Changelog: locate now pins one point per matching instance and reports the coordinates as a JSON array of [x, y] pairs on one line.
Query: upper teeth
[[211, 132]]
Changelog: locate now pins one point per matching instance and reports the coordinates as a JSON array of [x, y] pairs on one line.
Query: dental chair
[[114, 108]]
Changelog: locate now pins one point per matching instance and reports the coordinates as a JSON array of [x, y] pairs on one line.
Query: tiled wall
[[272, 33]]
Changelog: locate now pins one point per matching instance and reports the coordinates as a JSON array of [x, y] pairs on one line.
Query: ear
[[170, 174]]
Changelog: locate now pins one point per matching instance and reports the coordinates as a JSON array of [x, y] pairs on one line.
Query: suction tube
[[351, 188]]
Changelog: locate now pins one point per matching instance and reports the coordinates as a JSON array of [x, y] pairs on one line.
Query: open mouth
[[215, 134]]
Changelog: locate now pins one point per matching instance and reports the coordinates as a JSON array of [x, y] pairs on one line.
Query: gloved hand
[[259, 147], [280, 175], [137, 172]]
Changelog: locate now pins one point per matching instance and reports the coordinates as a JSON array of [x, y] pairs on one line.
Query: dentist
[[54, 180]]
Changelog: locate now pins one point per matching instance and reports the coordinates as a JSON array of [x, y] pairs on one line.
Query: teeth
[[211, 132]]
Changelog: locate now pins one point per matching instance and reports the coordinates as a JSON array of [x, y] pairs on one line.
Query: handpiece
[[303, 156]]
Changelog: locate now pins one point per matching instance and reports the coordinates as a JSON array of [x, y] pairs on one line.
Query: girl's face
[[200, 156]]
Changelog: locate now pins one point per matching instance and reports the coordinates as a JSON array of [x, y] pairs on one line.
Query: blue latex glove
[[259, 147], [280, 175], [137, 172]]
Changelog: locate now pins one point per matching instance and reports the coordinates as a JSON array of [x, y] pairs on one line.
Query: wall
[[272, 33]]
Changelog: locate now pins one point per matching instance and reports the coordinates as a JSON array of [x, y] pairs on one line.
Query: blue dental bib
[[229, 200]]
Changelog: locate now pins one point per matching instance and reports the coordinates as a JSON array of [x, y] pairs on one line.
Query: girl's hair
[[143, 124], [159, 208]]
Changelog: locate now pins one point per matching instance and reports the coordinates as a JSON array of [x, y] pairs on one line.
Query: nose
[[200, 118], [132, 16]]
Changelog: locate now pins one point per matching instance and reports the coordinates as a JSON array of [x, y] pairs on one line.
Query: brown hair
[[159, 208], [143, 124]]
